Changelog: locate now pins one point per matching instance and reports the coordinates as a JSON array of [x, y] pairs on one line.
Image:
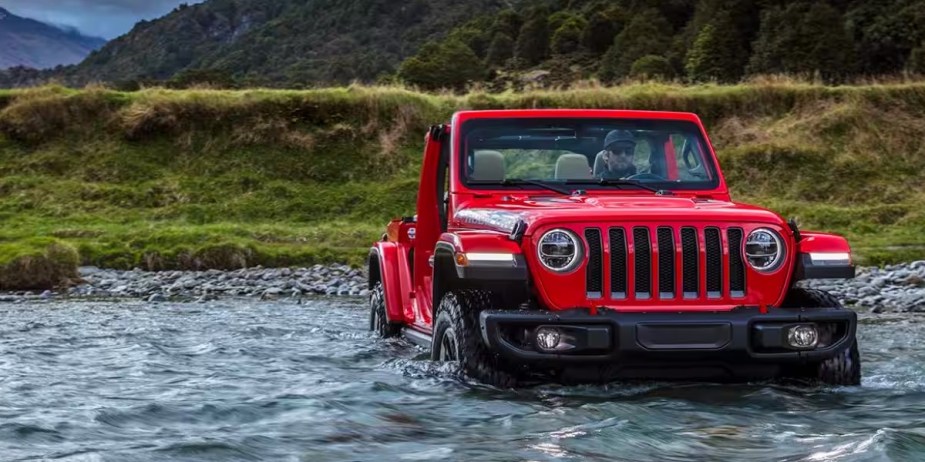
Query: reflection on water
[[248, 380]]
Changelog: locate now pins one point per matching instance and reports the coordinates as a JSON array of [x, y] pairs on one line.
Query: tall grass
[[209, 178]]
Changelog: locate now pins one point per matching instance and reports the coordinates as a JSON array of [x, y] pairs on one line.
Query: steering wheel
[[646, 176]]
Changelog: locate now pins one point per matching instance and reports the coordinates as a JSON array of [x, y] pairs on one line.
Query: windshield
[[663, 154]]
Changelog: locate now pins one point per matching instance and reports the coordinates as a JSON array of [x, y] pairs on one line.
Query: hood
[[503, 213]]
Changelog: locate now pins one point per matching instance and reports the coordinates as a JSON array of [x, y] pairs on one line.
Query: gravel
[[895, 288], [162, 286]]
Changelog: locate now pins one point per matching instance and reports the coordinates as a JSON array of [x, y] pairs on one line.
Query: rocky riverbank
[[895, 288], [265, 283]]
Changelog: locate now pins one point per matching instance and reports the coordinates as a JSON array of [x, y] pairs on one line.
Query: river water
[[251, 380]]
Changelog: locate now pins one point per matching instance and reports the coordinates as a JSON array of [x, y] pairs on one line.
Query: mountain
[[29, 43], [279, 42], [500, 44]]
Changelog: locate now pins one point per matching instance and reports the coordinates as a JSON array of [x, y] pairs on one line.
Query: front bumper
[[741, 336]]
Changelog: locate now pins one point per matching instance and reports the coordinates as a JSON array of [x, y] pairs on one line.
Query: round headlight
[[764, 250], [559, 250]]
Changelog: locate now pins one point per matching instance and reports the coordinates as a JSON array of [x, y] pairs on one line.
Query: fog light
[[548, 338], [803, 336]]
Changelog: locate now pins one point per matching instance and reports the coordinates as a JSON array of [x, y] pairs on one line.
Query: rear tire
[[457, 337], [843, 369], [378, 322]]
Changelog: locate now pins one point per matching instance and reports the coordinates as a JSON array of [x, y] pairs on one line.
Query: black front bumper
[[743, 336]]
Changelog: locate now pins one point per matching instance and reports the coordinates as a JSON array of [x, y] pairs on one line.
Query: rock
[[271, 294], [157, 298]]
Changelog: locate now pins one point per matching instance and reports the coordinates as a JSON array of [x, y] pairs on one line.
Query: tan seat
[[572, 166], [488, 165]]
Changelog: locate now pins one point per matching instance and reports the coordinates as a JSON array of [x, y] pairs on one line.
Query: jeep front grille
[[643, 261], [714, 262], [637, 267], [736, 264], [666, 274], [594, 278], [689, 258], [617, 263]]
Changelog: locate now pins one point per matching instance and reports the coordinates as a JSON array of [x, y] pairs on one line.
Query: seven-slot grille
[[648, 262]]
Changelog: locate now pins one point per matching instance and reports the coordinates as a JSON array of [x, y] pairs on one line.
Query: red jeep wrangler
[[594, 244]]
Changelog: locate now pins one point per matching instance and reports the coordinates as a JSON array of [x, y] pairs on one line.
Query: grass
[[218, 179], [37, 263]]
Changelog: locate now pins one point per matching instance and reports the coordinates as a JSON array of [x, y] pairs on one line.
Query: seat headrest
[[572, 166], [488, 165]]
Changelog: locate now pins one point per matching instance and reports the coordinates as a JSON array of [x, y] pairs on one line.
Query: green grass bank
[[198, 179]]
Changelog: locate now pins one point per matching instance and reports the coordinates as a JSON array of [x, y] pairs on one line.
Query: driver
[[619, 150]]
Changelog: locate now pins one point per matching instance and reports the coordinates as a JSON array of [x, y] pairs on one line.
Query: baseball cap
[[618, 137]]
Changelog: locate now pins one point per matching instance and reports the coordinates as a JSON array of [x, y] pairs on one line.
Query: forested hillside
[[274, 42], [559, 42], [502, 43]]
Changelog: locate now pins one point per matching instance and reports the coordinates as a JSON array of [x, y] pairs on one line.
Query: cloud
[[102, 18]]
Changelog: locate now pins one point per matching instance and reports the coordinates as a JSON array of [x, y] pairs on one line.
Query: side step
[[418, 338]]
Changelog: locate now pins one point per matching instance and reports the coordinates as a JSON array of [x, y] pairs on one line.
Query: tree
[[500, 50], [649, 33], [214, 78], [652, 67], [745, 15], [450, 64], [567, 38], [557, 19], [916, 62], [718, 52], [533, 41], [886, 33], [507, 22], [602, 27], [803, 39], [599, 34], [475, 35]]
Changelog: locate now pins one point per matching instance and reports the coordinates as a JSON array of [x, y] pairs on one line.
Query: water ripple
[[242, 380]]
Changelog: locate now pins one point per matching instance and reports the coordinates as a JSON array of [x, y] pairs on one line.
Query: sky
[[100, 18]]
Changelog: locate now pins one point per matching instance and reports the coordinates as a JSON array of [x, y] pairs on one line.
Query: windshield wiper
[[622, 182], [521, 182]]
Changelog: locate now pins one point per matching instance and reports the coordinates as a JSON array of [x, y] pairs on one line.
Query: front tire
[[378, 322], [843, 369], [457, 337]]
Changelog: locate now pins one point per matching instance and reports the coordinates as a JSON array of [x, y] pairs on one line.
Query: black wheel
[[378, 322], [844, 369], [457, 337]]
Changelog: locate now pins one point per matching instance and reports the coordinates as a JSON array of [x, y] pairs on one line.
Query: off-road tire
[[378, 322], [843, 369], [458, 317]]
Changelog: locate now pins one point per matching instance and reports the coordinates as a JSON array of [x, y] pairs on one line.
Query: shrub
[[652, 67]]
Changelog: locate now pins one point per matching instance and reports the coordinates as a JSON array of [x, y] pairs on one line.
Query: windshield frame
[[686, 126]]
